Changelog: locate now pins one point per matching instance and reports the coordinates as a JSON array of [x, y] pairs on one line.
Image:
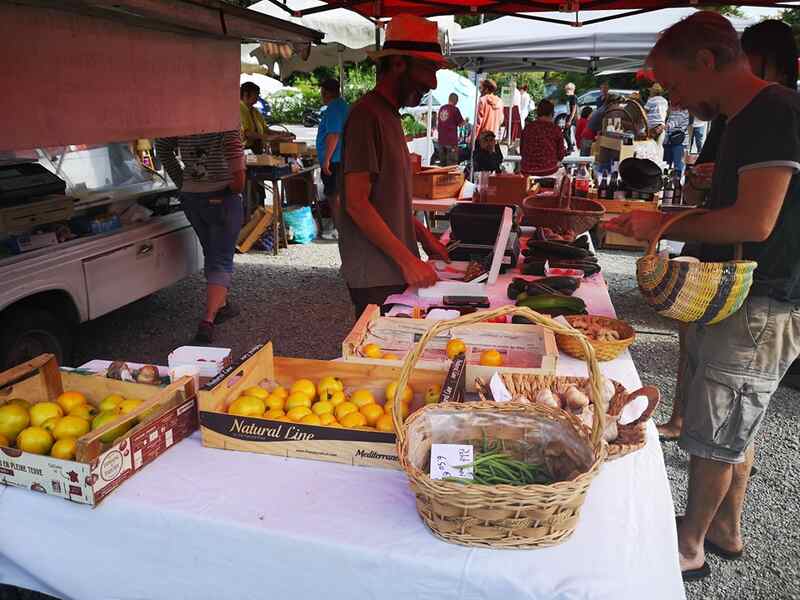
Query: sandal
[[715, 549]]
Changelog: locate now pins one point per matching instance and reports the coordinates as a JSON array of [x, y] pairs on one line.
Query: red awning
[[429, 8]]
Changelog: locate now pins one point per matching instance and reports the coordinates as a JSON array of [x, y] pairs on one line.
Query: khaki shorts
[[732, 370]]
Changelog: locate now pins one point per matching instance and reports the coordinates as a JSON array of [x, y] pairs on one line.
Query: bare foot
[[669, 431], [725, 538], [690, 556]]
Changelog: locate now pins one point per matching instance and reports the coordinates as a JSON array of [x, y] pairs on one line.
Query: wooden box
[[525, 348], [282, 438], [264, 160], [610, 239], [438, 183], [509, 189], [166, 416], [292, 148]]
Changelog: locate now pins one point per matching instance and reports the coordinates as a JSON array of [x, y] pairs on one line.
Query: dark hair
[[452, 95], [545, 108], [489, 84], [774, 42], [524, 87], [249, 87], [704, 30], [385, 63], [331, 86], [585, 112]]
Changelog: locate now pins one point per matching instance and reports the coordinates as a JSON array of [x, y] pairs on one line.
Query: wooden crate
[[166, 416], [254, 229], [509, 189], [292, 148], [619, 207], [612, 240], [526, 348], [280, 438], [438, 183], [265, 160]]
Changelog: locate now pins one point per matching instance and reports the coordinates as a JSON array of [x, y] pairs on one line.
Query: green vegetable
[[492, 466]]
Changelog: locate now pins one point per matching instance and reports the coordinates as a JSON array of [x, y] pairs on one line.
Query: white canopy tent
[[519, 44]]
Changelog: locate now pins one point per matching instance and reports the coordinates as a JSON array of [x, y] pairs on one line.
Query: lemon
[[13, 419], [274, 413], [64, 448], [256, 391], [274, 402], [20, 402], [296, 399], [390, 356], [389, 407], [111, 402], [337, 398], [322, 407], [41, 411], [353, 419], [362, 398], [70, 427], [345, 408], [385, 423], [306, 386], [311, 419], [433, 393], [455, 347], [372, 412], [329, 384], [129, 405], [491, 358], [372, 351], [84, 411], [247, 406], [298, 412], [50, 424], [113, 433], [35, 440], [327, 419], [69, 400], [280, 392], [406, 396]]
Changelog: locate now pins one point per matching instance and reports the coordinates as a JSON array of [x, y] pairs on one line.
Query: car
[[590, 98]]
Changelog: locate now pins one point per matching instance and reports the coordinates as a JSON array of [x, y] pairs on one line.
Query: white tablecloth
[[202, 523]]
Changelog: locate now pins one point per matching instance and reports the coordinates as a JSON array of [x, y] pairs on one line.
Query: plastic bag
[[302, 223]]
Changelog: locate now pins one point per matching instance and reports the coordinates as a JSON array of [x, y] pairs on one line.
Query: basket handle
[[595, 378], [651, 249], [653, 397]]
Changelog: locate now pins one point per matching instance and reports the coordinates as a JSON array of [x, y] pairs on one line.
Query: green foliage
[[413, 127], [534, 81], [287, 106], [472, 20]]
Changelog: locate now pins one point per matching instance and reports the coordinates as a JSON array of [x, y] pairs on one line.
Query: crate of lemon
[[80, 436], [324, 410]]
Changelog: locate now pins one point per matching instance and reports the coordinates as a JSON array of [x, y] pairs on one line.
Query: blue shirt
[[333, 119]]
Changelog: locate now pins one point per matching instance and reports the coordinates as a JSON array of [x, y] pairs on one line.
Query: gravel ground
[[298, 301]]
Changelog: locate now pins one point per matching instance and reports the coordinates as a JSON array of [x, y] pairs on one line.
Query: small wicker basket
[[499, 516], [603, 349]]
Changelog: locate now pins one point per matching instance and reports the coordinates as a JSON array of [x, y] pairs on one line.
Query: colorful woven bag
[[702, 292]]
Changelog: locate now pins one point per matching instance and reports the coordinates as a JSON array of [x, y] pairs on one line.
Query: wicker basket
[[631, 436], [546, 211], [603, 350], [498, 516], [693, 292]]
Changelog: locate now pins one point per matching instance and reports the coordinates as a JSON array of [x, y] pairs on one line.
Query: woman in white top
[[524, 104], [656, 108]]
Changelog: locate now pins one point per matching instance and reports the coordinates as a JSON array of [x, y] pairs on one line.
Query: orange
[[455, 347], [20, 402], [385, 423], [64, 448], [372, 351], [13, 419], [306, 386], [84, 411], [327, 419], [273, 402], [296, 399], [111, 402], [362, 398], [354, 419], [390, 356], [322, 407], [280, 392], [50, 424], [337, 398], [129, 405], [432, 394], [345, 408], [406, 396], [41, 411], [113, 433], [372, 412], [274, 413], [311, 419], [298, 412], [491, 358], [70, 427], [35, 440], [247, 406], [389, 407], [256, 391], [329, 384], [69, 400]]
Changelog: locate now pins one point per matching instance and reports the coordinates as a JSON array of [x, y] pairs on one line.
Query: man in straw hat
[[732, 367], [378, 233]]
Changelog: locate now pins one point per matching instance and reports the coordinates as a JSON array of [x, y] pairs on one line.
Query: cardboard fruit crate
[[292, 148], [525, 348], [509, 189], [167, 415], [438, 183], [282, 438]]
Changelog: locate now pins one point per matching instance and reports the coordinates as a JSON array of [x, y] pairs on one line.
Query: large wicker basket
[[703, 292], [546, 211], [603, 349], [498, 516]]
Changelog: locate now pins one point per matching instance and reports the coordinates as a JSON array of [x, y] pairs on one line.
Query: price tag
[[500, 392], [448, 460]]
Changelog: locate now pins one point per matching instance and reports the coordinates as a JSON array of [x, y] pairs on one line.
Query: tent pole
[[474, 138], [429, 139], [341, 71]]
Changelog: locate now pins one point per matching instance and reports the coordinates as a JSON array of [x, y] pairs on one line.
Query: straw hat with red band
[[409, 35]]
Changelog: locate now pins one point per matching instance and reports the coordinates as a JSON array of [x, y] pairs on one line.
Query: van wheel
[[25, 333]]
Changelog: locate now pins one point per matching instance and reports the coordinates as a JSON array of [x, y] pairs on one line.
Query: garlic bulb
[[575, 399], [547, 398]]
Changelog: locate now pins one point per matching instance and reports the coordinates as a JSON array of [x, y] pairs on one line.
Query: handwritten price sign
[[449, 460]]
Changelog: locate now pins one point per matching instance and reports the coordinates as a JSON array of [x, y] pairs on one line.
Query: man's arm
[[358, 206], [234, 154], [433, 247], [165, 150], [330, 147]]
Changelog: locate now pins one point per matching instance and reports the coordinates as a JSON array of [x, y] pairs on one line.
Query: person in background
[[211, 182], [697, 134], [524, 104], [490, 110], [572, 116], [601, 99], [378, 233], [449, 120], [595, 123], [676, 136], [734, 366], [543, 146], [515, 118], [583, 120], [329, 150], [656, 108], [465, 134], [487, 155], [254, 129]]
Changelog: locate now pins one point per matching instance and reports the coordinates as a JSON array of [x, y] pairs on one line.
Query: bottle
[[582, 182], [602, 188], [677, 194], [669, 189], [613, 186]]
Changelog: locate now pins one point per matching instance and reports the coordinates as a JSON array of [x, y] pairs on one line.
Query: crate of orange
[[80, 436], [324, 410], [489, 346]]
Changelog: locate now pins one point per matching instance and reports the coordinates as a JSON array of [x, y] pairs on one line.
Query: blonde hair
[[570, 87]]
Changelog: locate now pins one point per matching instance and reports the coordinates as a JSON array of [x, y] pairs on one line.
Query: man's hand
[[326, 168], [638, 224], [418, 273], [700, 176], [433, 247]]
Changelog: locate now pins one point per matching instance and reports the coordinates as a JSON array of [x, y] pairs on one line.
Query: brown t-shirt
[[374, 142]]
